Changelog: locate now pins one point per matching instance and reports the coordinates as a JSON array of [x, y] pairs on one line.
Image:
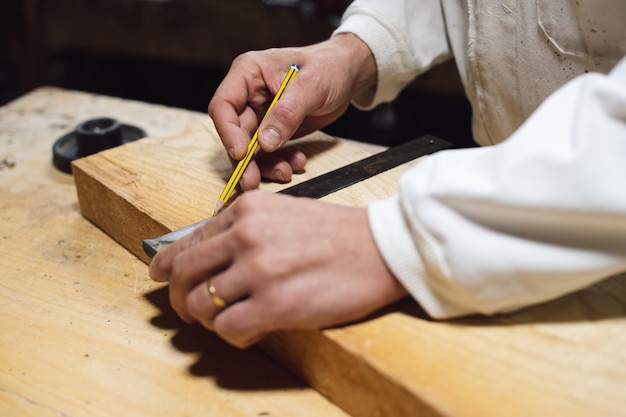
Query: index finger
[[234, 118], [161, 265]]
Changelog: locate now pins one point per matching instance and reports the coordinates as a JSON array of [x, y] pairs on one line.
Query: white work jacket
[[542, 212]]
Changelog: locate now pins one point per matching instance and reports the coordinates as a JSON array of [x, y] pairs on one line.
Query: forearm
[[498, 228]]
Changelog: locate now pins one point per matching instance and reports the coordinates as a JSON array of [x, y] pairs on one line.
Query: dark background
[[175, 52]]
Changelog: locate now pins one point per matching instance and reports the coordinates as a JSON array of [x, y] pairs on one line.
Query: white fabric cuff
[[393, 238], [392, 63]]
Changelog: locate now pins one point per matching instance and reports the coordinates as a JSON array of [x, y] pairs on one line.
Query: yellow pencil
[[252, 146]]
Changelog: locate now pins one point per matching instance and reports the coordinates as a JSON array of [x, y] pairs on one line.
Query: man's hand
[[332, 72], [278, 262]]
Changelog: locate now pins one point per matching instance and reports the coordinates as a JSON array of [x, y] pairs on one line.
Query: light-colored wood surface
[[158, 184], [83, 330], [563, 358]]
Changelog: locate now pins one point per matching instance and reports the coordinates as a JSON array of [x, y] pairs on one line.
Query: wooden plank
[[83, 329], [155, 185], [132, 199], [565, 357]]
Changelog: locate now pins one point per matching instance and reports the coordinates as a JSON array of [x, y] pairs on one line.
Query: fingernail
[[270, 138]]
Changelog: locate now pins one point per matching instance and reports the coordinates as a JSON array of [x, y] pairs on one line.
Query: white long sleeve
[[510, 57], [497, 228], [407, 38]]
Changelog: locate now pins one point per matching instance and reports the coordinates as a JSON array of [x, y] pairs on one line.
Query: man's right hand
[[332, 73]]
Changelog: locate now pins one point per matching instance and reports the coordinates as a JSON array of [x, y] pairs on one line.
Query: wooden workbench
[[85, 332]]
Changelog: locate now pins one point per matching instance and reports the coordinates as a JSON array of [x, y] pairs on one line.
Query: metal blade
[[332, 181], [152, 246]]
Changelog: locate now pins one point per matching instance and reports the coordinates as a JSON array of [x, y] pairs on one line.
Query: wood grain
[[83, 329], [155, 185], [562, 358]]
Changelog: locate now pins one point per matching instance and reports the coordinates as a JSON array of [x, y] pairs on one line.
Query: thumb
[[282, 121], [270, 139], [285, 115]]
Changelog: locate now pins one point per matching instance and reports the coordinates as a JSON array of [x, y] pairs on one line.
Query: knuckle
[[233, 333], [179, 306], [244, 235], [196, 307], [246, 205], [177, 268], [285, 112], [261, 266], [245, 59]]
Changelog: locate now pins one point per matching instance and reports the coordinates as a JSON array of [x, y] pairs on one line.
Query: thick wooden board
[[564, 358], [158, 184], [83, 329]]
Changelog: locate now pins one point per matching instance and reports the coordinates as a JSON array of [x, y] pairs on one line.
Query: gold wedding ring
[[217, 300]]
